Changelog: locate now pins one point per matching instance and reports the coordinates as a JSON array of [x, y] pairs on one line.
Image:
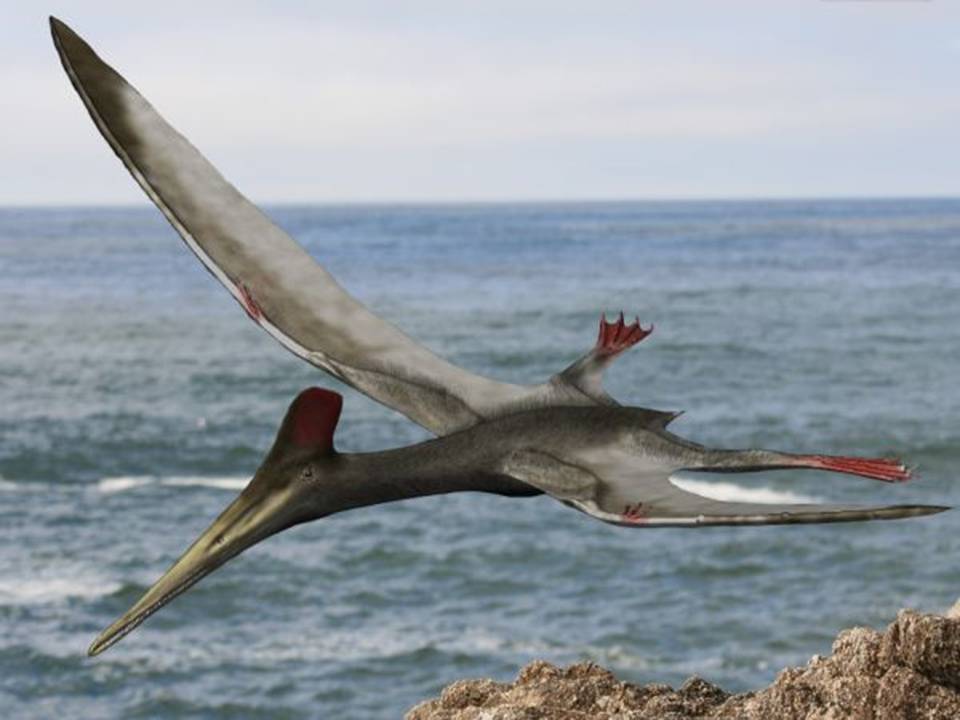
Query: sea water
[[136, 399]]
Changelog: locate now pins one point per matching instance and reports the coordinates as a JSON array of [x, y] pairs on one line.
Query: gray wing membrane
[[615, 492], [282, 288], [698, 511], [549, 474]]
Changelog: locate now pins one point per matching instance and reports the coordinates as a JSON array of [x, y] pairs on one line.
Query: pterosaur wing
[[699, 511], [281, 287], [612, 486]]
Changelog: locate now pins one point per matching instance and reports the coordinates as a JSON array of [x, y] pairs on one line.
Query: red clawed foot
[[634, 513], [886, 470], [616, 337]]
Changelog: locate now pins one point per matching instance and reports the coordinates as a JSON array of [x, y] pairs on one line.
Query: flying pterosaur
[[565, 437]]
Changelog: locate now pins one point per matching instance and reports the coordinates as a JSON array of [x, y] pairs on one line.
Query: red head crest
[[312, 419]]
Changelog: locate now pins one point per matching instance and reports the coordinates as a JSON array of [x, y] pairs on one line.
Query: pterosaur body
[[565, 437], [613, 463]]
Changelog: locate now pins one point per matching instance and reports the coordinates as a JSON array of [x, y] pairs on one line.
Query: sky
[[453, 100]]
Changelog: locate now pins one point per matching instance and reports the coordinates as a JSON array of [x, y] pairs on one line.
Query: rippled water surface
[[136, 399]]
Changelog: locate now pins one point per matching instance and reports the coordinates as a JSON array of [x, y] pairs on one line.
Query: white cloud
[[342, 93]]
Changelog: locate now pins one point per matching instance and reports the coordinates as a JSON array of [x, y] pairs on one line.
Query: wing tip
[[930, 509], [63, 36], [810, 515], [58, 27], [70, 46], [864, 514]]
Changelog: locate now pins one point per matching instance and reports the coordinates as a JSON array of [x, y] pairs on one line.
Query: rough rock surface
[[909, 672]]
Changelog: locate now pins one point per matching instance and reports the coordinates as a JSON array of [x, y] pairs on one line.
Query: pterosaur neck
[[351, 480]]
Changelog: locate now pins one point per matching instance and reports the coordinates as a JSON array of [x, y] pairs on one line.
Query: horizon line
[[441, 202]]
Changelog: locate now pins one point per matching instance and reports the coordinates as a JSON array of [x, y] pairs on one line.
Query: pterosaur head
[[280, 495]]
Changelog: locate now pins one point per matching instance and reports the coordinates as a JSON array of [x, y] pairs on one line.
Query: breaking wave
[[123, 483], [53, 587]]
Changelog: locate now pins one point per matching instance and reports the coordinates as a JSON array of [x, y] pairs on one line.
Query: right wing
[[613, 492], [281, 287], [698, 511]]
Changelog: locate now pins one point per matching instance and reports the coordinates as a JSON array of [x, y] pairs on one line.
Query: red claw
[[634, 514], [616, 337], [249, 303]]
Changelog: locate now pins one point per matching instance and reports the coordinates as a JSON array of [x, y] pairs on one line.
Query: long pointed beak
[[258, 512]]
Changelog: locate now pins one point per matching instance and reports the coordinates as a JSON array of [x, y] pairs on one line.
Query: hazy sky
[[448, 100]]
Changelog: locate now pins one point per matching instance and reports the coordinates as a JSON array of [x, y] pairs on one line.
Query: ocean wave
[[25, 486], [123, 483], [618, 656], [221, 483], [333, 646], [397, 643], [731, 492], [119, 484], [52, 588]]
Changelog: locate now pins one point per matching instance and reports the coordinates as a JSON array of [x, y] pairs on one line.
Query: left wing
[[281, 287]]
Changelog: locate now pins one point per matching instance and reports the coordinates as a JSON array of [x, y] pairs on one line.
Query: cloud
[[331, 92]]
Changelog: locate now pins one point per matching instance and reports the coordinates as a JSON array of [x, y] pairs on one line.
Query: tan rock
[[910, 671], [929, 644]]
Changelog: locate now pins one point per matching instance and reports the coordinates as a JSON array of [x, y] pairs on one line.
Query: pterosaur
[[565, 437]]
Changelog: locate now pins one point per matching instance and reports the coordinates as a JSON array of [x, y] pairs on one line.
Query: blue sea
[[136, 399]]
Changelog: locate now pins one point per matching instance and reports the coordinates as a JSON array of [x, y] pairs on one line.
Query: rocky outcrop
[[909, 672]]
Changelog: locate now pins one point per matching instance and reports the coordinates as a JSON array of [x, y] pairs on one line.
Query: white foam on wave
[[52, 587], [129, 482], [731, 492], [119, 484], [221, 483]]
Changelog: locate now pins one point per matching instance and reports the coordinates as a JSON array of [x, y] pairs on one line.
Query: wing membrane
[[659, 503], [760, 514], [618, 487], [282, 288]]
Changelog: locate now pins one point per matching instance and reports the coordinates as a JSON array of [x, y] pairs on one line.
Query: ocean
[[136, 399]]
